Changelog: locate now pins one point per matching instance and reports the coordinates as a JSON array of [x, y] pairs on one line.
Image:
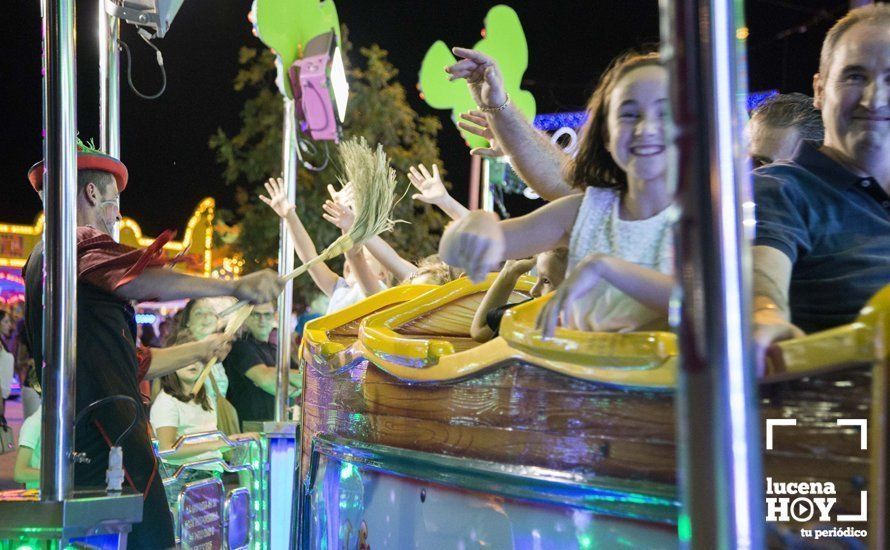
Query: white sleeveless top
[[649, 243]]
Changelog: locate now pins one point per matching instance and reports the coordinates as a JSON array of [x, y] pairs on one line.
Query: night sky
[[164, 142]]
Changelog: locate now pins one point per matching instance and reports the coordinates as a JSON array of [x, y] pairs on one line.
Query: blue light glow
[[550, 122], [756, 98], [146, 318]]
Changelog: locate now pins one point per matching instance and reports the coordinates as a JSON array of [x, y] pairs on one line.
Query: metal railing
[[249, 460]]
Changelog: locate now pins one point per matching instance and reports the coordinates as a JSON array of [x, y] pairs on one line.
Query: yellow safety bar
[[317, 332], [639, 359], [378, 330], [834, 349]]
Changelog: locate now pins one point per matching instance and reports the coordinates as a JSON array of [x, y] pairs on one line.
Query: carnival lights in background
[[550, 122]]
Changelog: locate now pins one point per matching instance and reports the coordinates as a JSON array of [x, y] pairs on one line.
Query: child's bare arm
[[390, 259], [325, 278], [498, 294]]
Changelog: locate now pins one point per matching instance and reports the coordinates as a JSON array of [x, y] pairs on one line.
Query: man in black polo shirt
[[250, 367], [822, 246], [110, 276]]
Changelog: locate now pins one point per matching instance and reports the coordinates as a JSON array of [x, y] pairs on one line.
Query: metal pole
[[286, 261], [475, 176], [487, 195], [721, 480], [109, 83], [60, 260]]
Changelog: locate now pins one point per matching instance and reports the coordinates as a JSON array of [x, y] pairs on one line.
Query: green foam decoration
[[505, 42], [287, 25]]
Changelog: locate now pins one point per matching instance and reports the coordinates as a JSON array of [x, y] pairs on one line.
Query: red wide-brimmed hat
[[88, 158]]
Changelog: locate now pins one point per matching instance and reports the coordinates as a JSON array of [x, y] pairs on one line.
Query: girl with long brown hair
[[617, 229]]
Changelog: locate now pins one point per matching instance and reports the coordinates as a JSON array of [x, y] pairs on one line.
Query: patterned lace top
[[599, 229]]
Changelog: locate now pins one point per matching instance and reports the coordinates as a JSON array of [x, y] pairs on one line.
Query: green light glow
[[684, 528], [347, 470], [585, 542]]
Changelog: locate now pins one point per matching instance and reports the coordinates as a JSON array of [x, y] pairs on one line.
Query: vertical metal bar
[[878, 508], [286, 261], [109, 83], [109, 88], [475, 176], [487, 195], [718, 422], [59, 238]]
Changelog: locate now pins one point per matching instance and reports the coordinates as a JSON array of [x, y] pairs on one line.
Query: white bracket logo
[[770, 422]]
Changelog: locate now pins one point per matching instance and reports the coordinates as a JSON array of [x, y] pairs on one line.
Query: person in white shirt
[[7, 362], [612, 203], [27, 461], [176, 412], [200, 319]]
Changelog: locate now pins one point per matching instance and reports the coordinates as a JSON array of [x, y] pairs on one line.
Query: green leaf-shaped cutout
[[438, 92], [505, 42], [287, 25]]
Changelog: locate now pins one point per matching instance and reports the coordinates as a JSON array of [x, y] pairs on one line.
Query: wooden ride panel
[[520, 414], [414, 381]]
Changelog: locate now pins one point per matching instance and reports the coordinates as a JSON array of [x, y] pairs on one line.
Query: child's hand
[[431, 188], [277, 198], [339, 215], [517, 268], [581, 281], [345, 196], [474, 243], [477, 124]]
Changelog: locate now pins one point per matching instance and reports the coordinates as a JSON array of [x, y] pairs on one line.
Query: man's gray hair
[[794, 111], [873, 14]]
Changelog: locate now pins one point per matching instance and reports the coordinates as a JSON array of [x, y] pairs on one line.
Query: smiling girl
[[618, 231]]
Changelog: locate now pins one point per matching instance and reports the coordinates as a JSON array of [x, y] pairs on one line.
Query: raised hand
[[482, 75], [277, 199], [339, 215], [431, 188], [345, 196], [477, 124]]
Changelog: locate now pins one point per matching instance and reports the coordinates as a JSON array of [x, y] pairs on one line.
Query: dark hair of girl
[[171, 385], [594, 165]]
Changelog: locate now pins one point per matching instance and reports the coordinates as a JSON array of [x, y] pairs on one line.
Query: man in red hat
[[109, 276]]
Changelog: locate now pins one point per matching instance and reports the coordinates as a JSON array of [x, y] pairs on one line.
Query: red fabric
[[86, 161], [143, 357], [107, 264]]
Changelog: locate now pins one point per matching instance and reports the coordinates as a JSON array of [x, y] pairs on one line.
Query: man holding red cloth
[[109, 276]]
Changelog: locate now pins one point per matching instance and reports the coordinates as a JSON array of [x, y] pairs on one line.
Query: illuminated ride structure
[[413, 435]]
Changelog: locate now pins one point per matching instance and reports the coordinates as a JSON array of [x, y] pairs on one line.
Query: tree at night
[[377, 109]]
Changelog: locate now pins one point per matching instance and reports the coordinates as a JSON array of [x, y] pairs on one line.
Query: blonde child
[[551, 268]]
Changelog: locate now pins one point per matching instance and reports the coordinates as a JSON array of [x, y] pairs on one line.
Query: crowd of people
[[603, 245]]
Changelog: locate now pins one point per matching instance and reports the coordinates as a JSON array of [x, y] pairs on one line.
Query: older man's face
[[855, 95]]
